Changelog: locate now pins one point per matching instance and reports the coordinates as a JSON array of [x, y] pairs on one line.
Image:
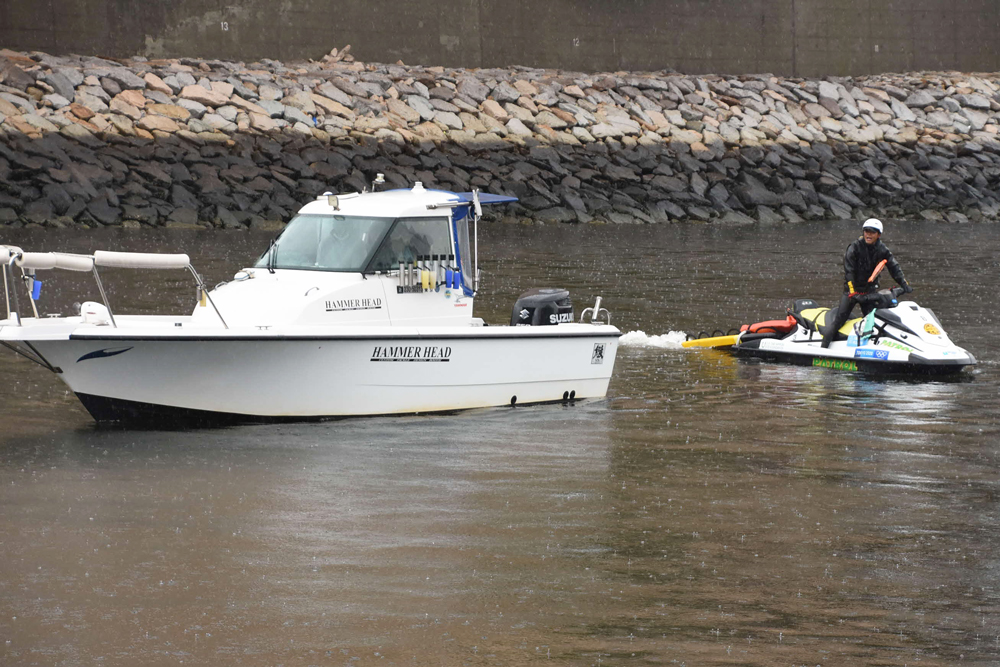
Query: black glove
[[906, 287]]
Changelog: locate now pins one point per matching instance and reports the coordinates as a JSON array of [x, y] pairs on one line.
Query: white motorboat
[[362, 306]]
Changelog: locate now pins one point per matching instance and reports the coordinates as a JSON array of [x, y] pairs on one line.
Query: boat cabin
[[397, 257]]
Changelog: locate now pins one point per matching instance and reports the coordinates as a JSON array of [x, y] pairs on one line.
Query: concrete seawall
[[784, 37], [85, 141]]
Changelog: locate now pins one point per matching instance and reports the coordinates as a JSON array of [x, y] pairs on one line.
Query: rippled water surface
[[710, 512]]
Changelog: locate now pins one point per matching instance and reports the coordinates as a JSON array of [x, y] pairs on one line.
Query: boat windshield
[[326, 243], [411, 239]]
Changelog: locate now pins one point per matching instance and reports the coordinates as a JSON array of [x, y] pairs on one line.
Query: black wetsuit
[[859, 262]]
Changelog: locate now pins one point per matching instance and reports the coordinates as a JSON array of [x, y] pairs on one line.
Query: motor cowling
[[542, 306]]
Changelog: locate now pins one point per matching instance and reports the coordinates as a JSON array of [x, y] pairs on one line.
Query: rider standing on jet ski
[[860, 261]]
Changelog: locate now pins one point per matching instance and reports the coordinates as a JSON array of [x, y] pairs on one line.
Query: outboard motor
[[542, 306]]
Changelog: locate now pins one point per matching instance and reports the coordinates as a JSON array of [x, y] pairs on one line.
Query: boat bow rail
[[30, 262]]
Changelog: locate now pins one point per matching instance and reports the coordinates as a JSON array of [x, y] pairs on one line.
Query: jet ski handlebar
[[884, 298]]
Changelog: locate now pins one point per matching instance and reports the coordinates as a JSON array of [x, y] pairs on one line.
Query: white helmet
[[872, 223]]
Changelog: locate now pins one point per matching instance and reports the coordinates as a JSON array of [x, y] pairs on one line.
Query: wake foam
[[671, 339]]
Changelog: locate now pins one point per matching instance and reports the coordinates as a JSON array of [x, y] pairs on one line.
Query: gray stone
[[110, 86], [228, 112], [350, 87], [38, 211], [790, 215], [196, 109], [670, 209], [158, 97], [92, 102], [767, 216], [831, 106], [668, 183], [950, 104], [172, 83], [327, 89], [920, 99], [974, 101], [185, 79], [225, 219], [184, 215], [71, 74], [442, 93], [81, 134], [827, 89], [240, 89], [838, 209], [37, 121], [273, 93], [103, 212], [372, 88], [551, 120], [56, 100], [617, 173], [753, 193], [448, 119], [274, 109], [472, 88], [26, 106], [422, 106], [504, 92], [518, 128], [301, 101], [61, 84], [605, 130], [441, 105], [718, 195], [210, 123], [123, 76], [56, 195], [699, 213], [698, 184], [555, 214], [293, 115], [902, 111]]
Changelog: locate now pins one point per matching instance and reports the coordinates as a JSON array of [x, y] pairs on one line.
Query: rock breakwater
[[90, 141]]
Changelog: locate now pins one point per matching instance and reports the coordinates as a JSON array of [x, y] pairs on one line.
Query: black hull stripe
[[125, 413]]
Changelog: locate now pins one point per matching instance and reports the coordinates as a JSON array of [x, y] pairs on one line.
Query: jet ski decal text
[[836, 364], [353, 304], [893, 344], [411, 353], [871, 354], [101, 354]]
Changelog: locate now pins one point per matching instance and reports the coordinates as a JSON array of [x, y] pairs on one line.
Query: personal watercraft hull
[[820, 358], [898, 339]]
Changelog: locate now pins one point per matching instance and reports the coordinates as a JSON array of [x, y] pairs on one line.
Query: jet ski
[[894, 338]]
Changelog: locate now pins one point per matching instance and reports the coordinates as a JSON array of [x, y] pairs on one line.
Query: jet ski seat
[[815, 319]]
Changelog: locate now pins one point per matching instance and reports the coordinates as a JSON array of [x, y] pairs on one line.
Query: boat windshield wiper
[[272, 255]]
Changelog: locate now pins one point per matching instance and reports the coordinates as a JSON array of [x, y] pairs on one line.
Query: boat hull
[[122, 377]]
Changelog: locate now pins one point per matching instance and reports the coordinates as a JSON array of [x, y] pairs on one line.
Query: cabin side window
[[410, 239], [326, 243]]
